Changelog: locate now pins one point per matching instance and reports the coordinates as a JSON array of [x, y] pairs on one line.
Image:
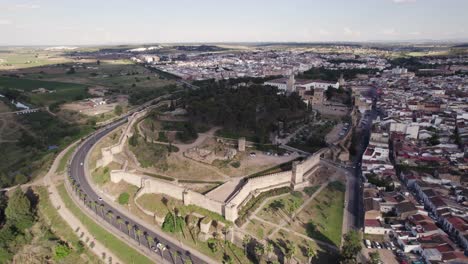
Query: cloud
[[27, 6], [324, 32], [350, 32], [390, 32], [5, 22], [403, 1]]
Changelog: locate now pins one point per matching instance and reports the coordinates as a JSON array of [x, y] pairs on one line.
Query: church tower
[[290, 84], [341, 80]]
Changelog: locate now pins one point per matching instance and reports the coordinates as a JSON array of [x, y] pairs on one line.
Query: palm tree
[[290, 250], [269, 249], [149, 239], [311, 253], [94, 206], [110, 216], [102, 209], [259, 251], [138, 233], [119, 221], [129, 227], [179, 255], [245, 243]]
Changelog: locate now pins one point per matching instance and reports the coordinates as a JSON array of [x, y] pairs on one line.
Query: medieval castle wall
[[230, 209]]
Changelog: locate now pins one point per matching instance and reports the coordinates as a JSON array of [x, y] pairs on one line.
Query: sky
[[86, 22]]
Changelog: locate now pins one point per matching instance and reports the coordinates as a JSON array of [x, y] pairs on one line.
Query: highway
[[77, 173]]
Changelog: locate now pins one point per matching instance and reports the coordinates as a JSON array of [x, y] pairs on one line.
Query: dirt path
[[184, 147]]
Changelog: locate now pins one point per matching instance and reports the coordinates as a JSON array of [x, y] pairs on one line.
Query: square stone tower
[[297, 173], [241, 144]]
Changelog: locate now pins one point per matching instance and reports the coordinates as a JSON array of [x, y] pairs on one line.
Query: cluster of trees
[[233, 81], [40, 135], [18, 215], [188, 133], [173, 223], [341, 95], [140, 96], [261, 253], [333, 75], [253, 110], [351, 247]]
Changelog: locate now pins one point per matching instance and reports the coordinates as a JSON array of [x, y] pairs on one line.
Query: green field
[[64, 160], [279, 209], [323, 217], [119, 248], [63, 91], [49, 214], [28, 58]]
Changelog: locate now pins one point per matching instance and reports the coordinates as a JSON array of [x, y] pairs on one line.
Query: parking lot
[[386, 256]]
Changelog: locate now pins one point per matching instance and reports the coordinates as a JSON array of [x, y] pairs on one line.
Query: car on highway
[[161, 247], [100, 198]]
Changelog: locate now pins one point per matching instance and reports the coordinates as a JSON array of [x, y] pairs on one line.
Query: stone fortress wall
[[108, 153], [296, 178]]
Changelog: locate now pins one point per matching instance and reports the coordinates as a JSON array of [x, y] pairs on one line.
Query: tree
[[245, 243], [120, 221], [129, 227], [227, 259], [62, 250], [133, 140], [149, 239], [259, 251], [118, 110], [102, 209], [351, 246], [18, 211], [290, 250], [138, 233], [374, 257], [20, 179], [213, 244], [110, 216], [269, 249], [311, 253]]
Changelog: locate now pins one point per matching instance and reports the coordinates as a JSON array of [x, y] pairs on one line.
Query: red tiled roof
[[372, 223]]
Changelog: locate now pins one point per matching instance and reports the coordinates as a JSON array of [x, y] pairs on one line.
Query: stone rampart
[[230, 209], [109, 152]]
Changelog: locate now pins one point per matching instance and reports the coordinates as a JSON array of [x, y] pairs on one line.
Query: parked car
[[368, 243]]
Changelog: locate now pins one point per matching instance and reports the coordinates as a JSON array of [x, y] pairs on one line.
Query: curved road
[[77, 173]]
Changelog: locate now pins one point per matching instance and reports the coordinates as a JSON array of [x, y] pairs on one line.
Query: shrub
[[61, 251], [173, 224], [123, 198], [311, 189], [236, 164], [296, 194]]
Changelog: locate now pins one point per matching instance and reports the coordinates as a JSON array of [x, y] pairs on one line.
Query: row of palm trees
[[99, 210], [290, 249]]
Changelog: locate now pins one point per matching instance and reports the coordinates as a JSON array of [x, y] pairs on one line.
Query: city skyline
[[86, 23]]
